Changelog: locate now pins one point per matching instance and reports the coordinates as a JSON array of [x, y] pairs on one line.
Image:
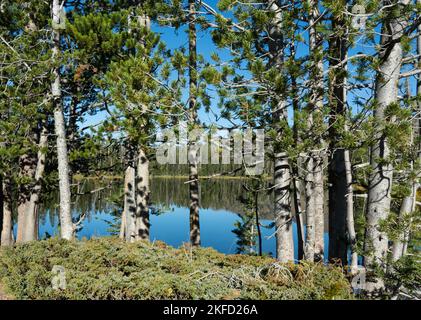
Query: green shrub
[[108, 268]]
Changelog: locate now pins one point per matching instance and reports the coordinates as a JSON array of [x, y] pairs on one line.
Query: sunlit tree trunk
[[309, 208], [142, 175], [398, 248], [192, 151], [409, 202], [122, 232], [129, 210], [282, 175], [349, 197], [350, 214], [319, 219], [142, 196], [6, 238], [380, 181], [31, 213], [314, 248], [21, 219], [66, 225], [26, 165]]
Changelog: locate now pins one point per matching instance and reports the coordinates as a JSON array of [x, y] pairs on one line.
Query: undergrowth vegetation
[[107, 268]]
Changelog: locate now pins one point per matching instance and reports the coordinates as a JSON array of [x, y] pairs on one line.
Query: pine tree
[[381, 179], [338, 190], [314, 160], [192, 152], [25, 60], [67, 229], [137, 83]]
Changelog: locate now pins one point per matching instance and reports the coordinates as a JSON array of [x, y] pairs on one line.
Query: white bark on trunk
[[298, 216], [21, 221], [319, 216], [129, 204], [30, 232], [193, 163], [310, 212], [350, 213], [350, 223], [380, 182], [6, 238], [283, 218], [316, 187], [122, 233], [399, 244], [66, 225], [194, 198], [6, 232], [282, 175], [409, 202], [26, 163], [142, 196]]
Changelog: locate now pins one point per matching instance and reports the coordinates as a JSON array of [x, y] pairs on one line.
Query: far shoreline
[[79, 177]]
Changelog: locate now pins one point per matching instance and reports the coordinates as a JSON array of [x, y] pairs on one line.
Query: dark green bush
[[107, 268]]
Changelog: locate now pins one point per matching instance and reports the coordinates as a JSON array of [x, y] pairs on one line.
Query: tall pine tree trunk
[[314, 176], [340, 173], [352, 237], [123, 223], [135, 219], [310, 205], [31, 213], [295, 166], [142, 176], [142, 196], [337, 172], [192, 151], [66, 225], [30, 167], [399, 245], [26, 165], [380, 181], [129, 210], [319, 216], [6, 237], [409, 202], [281, 172]]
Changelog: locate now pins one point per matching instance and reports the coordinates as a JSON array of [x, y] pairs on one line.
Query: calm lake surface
[[220, 210]]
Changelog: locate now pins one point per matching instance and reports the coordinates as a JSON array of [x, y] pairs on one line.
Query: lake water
[[220, 210]]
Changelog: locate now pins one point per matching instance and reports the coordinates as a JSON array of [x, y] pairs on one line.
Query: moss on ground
[[108, 268]]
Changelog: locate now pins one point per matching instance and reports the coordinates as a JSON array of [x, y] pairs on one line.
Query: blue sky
[[175, 39]]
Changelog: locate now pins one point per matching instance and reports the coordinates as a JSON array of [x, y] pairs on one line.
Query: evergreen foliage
[[107, 268]]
